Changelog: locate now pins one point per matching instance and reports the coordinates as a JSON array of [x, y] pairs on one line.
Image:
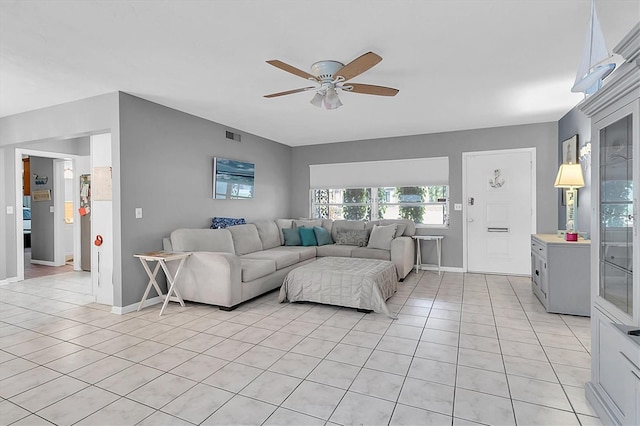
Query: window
[[427, 205]]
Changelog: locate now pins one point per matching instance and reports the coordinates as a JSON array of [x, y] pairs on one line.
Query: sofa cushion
[[327, 224], [281, 258], [307, 223], [291, 237], [269, 233], [256, 268], [216, 240], [305, 253], [381, 236], [283, 224], [308, 236], [335, 250], [345, 224], [245, 238], [401, 227], [352, 237], [323, 237], [371, 253], [410, 229]]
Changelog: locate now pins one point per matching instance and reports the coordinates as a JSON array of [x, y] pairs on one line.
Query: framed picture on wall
[[570, 150], [232, 179]]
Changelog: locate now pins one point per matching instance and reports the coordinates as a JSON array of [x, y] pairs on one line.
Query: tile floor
[[466, 349]]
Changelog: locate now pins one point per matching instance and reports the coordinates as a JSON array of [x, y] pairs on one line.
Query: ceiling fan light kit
[[332, 75]]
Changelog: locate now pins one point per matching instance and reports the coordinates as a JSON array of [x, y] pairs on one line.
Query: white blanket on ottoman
[[343, 281]]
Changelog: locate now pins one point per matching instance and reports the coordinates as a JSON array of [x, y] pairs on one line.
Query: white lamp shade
[[317, 100], [331, 99], [569, 176]]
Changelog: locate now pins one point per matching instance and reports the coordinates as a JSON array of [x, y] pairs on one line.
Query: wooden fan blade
[[291, 69], [369, 89], [358, 66], [288, 92]]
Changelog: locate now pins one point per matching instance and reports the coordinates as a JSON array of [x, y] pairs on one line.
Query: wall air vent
[[233, 136]]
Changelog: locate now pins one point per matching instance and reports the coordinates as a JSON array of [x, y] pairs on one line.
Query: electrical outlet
[[138, 212], [457, 206], [9, 209], [50, 209]]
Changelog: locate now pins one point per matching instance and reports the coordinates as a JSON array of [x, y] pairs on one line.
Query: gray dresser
[[560, 274]]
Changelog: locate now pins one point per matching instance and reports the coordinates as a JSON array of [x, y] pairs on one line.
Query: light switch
[[457, 206], [138, 212], [50, 209], [9, 209]]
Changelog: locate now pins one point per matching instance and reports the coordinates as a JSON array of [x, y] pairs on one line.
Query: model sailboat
[[596, 63]]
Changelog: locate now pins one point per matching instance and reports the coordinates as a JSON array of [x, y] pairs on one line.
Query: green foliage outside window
[[358, 195], [321, 200], [412, 194]]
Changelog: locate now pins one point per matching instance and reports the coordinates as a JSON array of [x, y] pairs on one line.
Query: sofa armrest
[[403, 255], [211, 277]]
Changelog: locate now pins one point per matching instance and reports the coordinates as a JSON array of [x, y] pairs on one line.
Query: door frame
[[58, 212], [465, 156]]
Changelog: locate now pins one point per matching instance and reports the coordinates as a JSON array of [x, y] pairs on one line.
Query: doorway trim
[[58, 231], [465, 156]]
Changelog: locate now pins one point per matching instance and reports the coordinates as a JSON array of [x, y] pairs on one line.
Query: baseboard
[[45, 263], [121, 310], [9, 280], [442, 268], [604, 412]]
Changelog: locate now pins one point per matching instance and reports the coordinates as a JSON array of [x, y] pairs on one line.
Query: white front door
[[499, 188]]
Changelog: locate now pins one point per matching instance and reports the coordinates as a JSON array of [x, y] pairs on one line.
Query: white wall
[[101, 224]]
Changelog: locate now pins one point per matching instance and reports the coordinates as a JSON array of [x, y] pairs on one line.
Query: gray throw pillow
[[352, 237], [401, 228], [381, 237]]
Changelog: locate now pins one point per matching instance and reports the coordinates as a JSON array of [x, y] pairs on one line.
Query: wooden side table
[[438, 239], [162, 257]]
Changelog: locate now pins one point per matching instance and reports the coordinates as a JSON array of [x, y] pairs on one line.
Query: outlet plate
[[138, 212], [457, 206]]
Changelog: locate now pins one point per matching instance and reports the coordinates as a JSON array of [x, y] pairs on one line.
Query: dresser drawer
[[539, 249]]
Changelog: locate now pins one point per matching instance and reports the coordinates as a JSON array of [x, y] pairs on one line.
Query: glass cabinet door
[[616, 214]]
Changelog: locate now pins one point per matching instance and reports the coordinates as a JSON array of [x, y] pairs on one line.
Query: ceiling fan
[[332, 75]]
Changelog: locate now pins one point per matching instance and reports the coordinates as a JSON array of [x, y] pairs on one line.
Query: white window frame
[[373, 205]]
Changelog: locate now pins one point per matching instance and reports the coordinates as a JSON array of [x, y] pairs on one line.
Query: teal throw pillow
[[323, 237], [308, 237], [291, 237]]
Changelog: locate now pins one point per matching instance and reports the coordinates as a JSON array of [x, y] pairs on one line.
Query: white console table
[[438, 239]]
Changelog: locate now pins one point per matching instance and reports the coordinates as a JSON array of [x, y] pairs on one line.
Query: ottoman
[[364, 284]]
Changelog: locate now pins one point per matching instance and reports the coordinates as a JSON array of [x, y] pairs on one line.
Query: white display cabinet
[[614, 389]]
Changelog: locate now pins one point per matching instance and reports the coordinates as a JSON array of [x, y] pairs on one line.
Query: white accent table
[[438, 239], [162, 257]]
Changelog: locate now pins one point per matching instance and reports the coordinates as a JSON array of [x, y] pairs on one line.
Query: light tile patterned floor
[[466, 349]]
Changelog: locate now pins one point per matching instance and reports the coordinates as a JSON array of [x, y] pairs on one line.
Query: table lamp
[[570, 177]]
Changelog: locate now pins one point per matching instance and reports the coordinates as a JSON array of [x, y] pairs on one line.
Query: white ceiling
[[459, 64]]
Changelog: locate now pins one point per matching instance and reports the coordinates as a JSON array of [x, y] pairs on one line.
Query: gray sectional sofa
[[232, 265]]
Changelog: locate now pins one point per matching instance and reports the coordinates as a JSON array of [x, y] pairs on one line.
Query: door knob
[[469, 220]]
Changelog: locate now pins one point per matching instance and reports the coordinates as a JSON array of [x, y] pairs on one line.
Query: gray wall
[[166, 168], [575, 122], [42, 244], [452, 144], [43, 129]]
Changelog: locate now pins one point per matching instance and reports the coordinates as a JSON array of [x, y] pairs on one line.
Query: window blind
[[409, 172]]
